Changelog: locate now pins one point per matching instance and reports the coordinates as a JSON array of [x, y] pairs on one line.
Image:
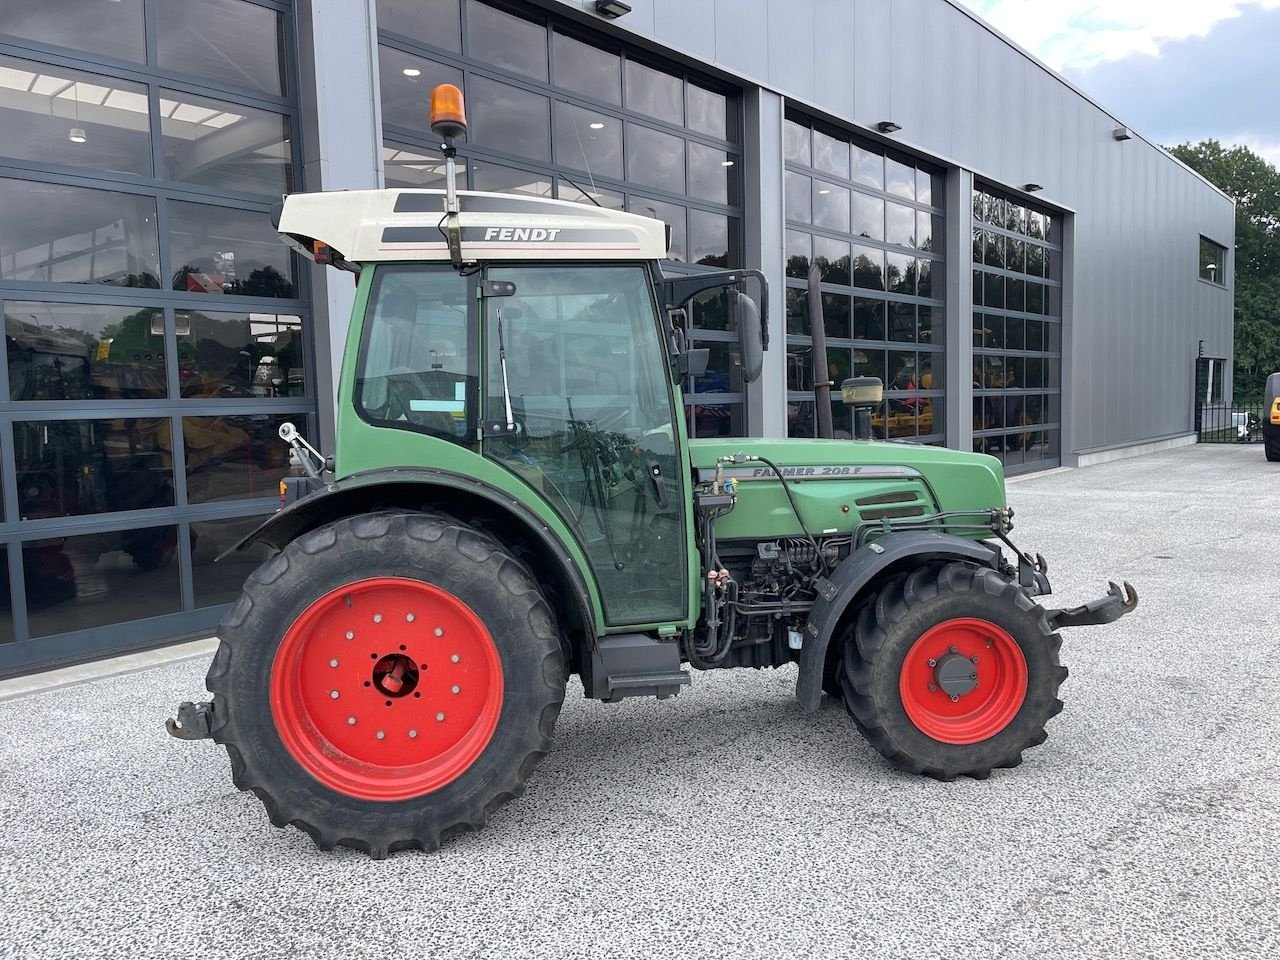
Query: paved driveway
[[726, 823]]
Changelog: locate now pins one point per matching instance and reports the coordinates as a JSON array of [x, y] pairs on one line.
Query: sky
[[1173, 70]]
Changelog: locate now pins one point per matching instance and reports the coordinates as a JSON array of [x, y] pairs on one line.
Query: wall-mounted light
[[1122, 133], [77, 135], [1031, 187], [888, 126], [612, 8]]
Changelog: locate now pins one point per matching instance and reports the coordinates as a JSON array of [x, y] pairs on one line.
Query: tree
[[1255, 185]]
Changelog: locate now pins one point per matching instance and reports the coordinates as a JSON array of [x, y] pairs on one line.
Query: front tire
[[387, 679], [952, 671]]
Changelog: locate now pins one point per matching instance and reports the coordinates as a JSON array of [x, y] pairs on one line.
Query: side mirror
[[750, 334]]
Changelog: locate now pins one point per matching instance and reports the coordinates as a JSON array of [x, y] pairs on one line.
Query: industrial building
[[1029, 276]]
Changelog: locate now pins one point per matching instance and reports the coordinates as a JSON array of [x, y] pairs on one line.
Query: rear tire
[[386, 680], [1271, 444], [925, 628]]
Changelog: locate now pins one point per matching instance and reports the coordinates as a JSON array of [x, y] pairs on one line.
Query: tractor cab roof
[[379, 225]]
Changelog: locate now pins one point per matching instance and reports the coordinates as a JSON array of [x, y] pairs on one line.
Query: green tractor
[[513, 498]]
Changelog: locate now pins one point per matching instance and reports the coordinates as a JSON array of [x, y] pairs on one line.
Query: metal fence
[[1229, 423]]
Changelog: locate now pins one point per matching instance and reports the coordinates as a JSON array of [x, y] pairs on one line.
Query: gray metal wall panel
[[968, 97], [687, 23]]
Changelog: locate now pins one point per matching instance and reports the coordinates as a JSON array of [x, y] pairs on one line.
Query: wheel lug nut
[[333, 663], [973, 659], [457, 689], [377, 618], [933, 687], [381, 735], [409, 617], [933, 662], [455, 658], [439, 631], [973, 676], [413, 734], [351, 721], [351, 635], [333, 694], [954, 698], [439, 716], [953, 648]]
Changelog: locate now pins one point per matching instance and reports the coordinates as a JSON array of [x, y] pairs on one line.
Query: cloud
[[1082, 33], [1222, 85]]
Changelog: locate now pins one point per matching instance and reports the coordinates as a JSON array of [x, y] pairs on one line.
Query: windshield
[[588, 389]]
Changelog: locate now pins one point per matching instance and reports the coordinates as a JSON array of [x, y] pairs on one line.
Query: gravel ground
[[727, 823]]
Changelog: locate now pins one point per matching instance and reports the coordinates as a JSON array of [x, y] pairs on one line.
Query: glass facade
[[1017, 331], [145, 144], [556, 112], [873, 223]]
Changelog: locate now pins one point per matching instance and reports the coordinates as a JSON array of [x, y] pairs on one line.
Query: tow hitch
[[1112, 607], [194, 721]]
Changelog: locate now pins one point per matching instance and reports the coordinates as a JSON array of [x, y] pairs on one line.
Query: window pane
[[406, 82], [709, 112], [60, 234], [225, 146], [902, 322], [868, 216], [930, 324], [77, 583], [832, 258], [835, 317], [223, 251], [868, 319], [223, 41], [434, 22], [656, 93], [713, 174], [830, 154], [584, 68], [713, 239], [75, 467], [108, 29], [509, 118], [719, 420], [63, 351], [900, 272], [235, 457], [54, 115], [868, 167], [6, 599], [502, 179], [221, 581], [900, 179], [670, 214], [798, 252], [830, 206], [655, 158], [238, 355], [868, 267], [506, 41], [795, 142], [588, 140], [924, 278], [900, 225], [797, 200], [417, 167]]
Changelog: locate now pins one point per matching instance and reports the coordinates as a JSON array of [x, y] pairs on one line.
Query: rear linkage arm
[[1108, 609]]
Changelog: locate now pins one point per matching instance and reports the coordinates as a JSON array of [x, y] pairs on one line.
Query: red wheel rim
[[386, 689], [993, 665]]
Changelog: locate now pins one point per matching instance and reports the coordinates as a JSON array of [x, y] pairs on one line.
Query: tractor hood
[[840, 483]]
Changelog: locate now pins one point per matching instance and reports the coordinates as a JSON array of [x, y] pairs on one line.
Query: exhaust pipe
[[821, 374]]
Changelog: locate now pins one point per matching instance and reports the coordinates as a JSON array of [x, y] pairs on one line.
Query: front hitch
[[1108, 609], [194, 721]]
